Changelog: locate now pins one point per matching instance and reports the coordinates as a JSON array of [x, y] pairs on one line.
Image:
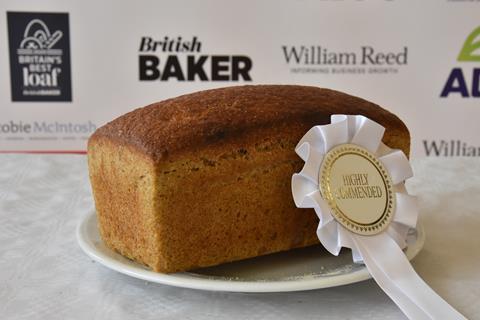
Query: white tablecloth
[[45, 275]]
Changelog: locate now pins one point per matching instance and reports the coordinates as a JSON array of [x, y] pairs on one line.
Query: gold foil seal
[[358, 189]]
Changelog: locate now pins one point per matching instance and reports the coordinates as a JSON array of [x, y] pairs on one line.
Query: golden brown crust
[[190, 122], [205, 178]]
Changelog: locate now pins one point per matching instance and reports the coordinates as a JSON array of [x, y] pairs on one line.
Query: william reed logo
[[450, 148], [316, 59], [465, 80], [179, 59], [39, 56]]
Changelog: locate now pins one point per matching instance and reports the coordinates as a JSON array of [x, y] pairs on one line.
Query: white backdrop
[[398, 54]]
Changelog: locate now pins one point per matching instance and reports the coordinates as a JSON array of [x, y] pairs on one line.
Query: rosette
[[356, 185]]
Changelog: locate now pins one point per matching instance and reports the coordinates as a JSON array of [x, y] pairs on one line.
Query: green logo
[[472, 44]]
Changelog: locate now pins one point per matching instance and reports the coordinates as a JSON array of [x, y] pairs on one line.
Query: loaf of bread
[[204, 178]]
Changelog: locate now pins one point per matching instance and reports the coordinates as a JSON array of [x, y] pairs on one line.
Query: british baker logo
[[182, 60], [39, 45], [458, 82], [319, 59]]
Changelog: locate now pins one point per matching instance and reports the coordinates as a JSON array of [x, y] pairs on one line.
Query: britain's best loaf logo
[[39, 56], [464, 81]]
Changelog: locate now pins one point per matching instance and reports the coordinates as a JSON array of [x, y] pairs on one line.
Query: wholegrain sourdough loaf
[[204, 178]]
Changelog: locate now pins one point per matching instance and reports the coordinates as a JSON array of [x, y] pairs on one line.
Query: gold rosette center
[[358, 189]]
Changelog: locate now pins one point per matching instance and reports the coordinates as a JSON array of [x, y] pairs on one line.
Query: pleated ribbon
[[381, 253]]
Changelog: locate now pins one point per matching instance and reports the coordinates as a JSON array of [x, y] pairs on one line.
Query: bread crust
[[191, 122], [204, 178]]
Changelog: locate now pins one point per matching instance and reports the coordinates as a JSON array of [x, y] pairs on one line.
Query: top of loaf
[[195, 120]]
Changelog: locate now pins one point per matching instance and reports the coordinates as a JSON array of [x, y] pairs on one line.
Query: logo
[[41, 128], [316, 59], [450, 148], [457, 82], [39, 46], [178, 59]]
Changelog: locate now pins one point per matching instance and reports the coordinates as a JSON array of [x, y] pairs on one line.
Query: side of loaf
[[204, 178]]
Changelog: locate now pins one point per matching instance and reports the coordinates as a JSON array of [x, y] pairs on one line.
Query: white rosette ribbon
[[382, 252]]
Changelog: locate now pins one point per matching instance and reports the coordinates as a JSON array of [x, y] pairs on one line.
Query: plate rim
[[186, 280]]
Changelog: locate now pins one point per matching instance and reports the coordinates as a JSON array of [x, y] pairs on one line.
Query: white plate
[[295, 270]]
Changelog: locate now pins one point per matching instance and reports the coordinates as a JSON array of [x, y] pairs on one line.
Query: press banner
[[68, 67]]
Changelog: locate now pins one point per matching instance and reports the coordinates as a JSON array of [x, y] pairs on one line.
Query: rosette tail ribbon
[[378, 246]]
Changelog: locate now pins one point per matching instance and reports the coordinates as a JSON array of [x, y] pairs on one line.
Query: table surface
[[45, 275]]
